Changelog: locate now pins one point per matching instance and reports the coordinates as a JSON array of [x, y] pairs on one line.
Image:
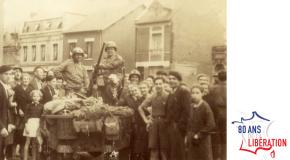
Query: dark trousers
[[19, 139], [1, 148], [5, 151], [177, 146], [216, 146], [9, 151]]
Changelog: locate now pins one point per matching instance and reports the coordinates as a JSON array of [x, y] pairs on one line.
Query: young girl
[[201, 122], [32, 121]]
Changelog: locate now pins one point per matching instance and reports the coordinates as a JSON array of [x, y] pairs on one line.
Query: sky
[[18, 11]]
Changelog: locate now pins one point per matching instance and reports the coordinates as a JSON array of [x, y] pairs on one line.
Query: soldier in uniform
[[113, 63], [74, 73], [135, 77]]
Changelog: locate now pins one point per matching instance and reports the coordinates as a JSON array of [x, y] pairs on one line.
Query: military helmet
[[111, 44], [78, 50], [135, 72]]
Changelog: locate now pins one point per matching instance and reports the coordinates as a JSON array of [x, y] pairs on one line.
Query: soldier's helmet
[[111, 44], [78, 50], [135, 72]]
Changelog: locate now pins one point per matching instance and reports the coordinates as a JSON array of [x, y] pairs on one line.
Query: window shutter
[[142, 44], [167, 42], [142, 38]]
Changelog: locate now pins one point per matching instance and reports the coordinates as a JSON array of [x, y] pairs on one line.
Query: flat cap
[[18, 68], [176, 74], [5, 68]]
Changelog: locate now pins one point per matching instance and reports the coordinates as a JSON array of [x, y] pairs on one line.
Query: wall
[[38, 39], [123, 33], [197, 27], [80, 37], [10, 55]]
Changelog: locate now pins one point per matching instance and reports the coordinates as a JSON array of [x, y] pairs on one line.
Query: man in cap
[[113, 63], [163, 74], [6, 126], [74, 73]]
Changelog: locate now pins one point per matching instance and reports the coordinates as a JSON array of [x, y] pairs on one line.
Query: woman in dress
[[200, 124]]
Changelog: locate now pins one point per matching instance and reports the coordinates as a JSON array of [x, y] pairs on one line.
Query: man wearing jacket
[[113, 63], [36, 82], [6, 126], [74, 73], [178, 106]]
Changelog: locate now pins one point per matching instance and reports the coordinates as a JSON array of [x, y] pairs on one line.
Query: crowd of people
[[172, 120]]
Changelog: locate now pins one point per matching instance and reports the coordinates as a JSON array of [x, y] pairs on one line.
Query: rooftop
[[104, 18], [155, 12]]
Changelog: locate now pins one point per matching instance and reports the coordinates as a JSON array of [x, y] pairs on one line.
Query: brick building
[[112, 24]]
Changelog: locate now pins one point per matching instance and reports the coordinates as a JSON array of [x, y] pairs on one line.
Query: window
[[26, 29], [55, 52], [37, 27], [59, 25], [89, 48], [25, 53], [33, 53], [156, 41], [156, 46], [43, 52], [48, 26]]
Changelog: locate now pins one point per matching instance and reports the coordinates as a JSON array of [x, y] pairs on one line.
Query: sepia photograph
[[113, 80]]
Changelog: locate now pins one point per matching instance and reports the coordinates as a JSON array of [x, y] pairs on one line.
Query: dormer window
[[59, 26], [26, 29], [37, 27], [48, 26]]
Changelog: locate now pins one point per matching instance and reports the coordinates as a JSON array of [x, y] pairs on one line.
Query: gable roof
[[155, 12], [103, 19]]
